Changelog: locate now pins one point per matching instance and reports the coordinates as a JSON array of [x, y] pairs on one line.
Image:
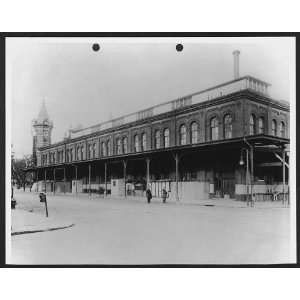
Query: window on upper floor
[[157, 139], [94, 150], [166, 138], [144, 142], [214, 129], [274, 127], [68, 155], [227, 126], [261, 125], [194, 133], [125, 145], [82, 152], [119, 146], [252, 124], [103, 149], [108, 148], [182, 133], [79, 153], [90, 151], [282, 129], [136, 143], [71, 154]]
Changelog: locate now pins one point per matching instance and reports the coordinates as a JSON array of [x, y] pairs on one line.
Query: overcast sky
[[86, 87]]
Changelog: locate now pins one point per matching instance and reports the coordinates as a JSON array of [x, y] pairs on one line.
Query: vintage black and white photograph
[[150, 150]]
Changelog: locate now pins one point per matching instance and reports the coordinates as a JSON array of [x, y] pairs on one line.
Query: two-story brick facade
[[193, 146]]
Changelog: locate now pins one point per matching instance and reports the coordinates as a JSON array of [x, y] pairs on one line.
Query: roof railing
[[243, 83]]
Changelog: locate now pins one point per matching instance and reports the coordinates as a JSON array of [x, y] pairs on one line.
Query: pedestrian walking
[[148, 195], [253, 200], [164, 195]]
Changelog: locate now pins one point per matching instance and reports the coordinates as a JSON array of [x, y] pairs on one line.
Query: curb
[[41, 230]]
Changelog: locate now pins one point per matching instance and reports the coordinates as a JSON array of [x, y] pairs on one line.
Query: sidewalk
[[215, 202], [23, 222]]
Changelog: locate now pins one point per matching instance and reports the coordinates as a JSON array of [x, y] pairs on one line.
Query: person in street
[[148, 195], [164, 195], [275, 196]]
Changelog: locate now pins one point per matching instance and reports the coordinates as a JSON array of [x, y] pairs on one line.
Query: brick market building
[[225, 141]]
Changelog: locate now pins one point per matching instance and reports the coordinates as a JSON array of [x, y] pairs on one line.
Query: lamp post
[[241, 162]]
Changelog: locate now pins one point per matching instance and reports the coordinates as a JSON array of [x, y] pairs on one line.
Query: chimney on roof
[[236, 67]]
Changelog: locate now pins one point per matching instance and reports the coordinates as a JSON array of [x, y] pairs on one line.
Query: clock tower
[[41, 130]]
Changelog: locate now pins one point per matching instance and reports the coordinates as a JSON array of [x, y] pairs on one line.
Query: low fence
[[272, 197]]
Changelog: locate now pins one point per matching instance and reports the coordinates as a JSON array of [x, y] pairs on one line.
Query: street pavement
[[24, 222], [130, 231]]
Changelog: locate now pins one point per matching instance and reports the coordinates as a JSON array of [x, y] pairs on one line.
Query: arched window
[[194, 133], [103, 149], [166, 138], [157, 139], [71, 154], [82, 156], [227, 126], [79, 153], [136, 143], [282, 129], [94, 150], [90, 151], [252, 124], [182, 138], [214, 129], [144, 142], [261, 125], [68, 155], [108, 148], [125, 145], [274, 127], [119, 147]]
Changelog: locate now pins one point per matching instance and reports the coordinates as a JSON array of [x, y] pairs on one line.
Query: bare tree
[[19, 176]]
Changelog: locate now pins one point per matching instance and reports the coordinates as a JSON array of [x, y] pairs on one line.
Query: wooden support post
[[37, 179], [45, 178], [76, 179], [252, 174], [176, 175], [90, 180], [54, 181], [124, 174], [64, 180], [148, 173], [283, 175], [247, 175], [105, 179]]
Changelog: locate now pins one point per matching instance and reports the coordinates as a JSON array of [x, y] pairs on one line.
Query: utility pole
[[283, 174]]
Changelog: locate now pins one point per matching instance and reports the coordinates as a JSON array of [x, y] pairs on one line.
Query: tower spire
[[41, 129], [43, 114]]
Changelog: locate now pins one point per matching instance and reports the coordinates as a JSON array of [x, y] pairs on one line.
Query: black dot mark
[[179, 47], [96, 47]]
